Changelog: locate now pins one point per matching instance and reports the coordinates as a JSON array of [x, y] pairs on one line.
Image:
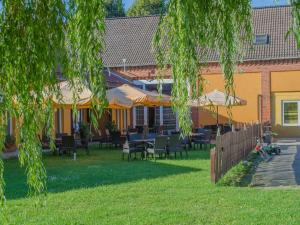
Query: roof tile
[[130, 38]]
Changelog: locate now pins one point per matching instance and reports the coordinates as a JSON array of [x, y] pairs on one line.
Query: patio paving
[[280, 170]]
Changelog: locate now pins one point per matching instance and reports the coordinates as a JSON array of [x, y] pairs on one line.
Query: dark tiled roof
[[131, 38]]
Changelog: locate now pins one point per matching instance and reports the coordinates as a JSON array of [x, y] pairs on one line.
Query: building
[[268, 78]]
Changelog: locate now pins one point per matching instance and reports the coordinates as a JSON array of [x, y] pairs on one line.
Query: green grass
[[103, 189], [241, 174]]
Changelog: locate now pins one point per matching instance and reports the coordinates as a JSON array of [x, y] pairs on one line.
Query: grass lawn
[[103, 189]]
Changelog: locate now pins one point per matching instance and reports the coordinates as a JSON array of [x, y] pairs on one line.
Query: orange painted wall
[[247, 87], [285, 81]]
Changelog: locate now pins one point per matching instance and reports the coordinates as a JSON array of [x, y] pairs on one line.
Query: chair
[[175, 145], [151, 136], [60, 135], [203, 138], [45, 142], [139, 129], [158, 147], [186, 141], [131, 147], [134, 136], [226, 128], [68, 144], [98, 137], [108, 135], [132, 130], [116, 139]]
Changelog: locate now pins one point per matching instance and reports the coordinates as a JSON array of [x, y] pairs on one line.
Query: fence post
[[213, 164], [231, 148]]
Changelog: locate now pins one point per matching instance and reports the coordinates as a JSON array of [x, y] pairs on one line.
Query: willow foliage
[[188, 32], [296, 20], [38, 39]]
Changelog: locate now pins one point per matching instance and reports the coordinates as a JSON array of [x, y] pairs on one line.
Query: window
[[291, 113], [261, 39], [139, 115]]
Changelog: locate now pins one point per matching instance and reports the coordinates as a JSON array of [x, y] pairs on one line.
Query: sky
[[255, 3]]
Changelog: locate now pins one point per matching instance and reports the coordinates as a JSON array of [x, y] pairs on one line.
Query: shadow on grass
[[101, 167]]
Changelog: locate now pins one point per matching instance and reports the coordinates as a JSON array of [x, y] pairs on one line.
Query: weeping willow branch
[[187, 33], [295, 29], [36, 38]]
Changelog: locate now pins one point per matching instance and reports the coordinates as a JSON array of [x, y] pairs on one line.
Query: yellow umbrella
[[82, 94], [136, 97], [115, 102]]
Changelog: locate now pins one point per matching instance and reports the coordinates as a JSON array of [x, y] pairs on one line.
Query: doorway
[[151, 117]]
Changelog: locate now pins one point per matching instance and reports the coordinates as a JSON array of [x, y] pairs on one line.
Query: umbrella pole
[[218, 128], [217, 116]]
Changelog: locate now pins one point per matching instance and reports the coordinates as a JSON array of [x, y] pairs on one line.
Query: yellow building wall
[[247, 86], [55, 127], [285, 86], [277, 116], [121, 117], [285, 81], [66, 121]]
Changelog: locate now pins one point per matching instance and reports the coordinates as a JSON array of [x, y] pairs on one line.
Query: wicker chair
[[130, 148], [68, 144], [98, 137], [203, 139], [158, 148], [175, 145], [116, 139]]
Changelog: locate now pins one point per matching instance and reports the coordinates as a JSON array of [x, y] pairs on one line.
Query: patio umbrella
[[217, 98], [83, 96], [136, 97]]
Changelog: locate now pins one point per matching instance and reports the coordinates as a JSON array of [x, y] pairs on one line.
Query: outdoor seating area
[[138, 136], [68, 144], [134, 144]]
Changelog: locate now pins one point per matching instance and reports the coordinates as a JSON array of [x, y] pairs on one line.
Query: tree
[[189, 30], [114, 8], [146, 8], [36, 38]]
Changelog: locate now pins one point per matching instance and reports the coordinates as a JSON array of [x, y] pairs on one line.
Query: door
[[151, 117]]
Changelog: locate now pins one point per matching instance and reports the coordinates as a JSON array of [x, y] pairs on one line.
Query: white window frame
[[283, 105]]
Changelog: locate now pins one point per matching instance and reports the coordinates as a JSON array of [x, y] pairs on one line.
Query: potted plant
[[10, 143]]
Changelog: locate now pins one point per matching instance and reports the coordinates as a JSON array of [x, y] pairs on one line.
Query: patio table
[[143, 142], [58, 143]]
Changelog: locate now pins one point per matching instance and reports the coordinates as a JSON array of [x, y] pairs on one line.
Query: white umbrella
[[217, 98]]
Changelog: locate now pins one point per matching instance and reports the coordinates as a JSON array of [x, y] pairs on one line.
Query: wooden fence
[[231, 148]]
